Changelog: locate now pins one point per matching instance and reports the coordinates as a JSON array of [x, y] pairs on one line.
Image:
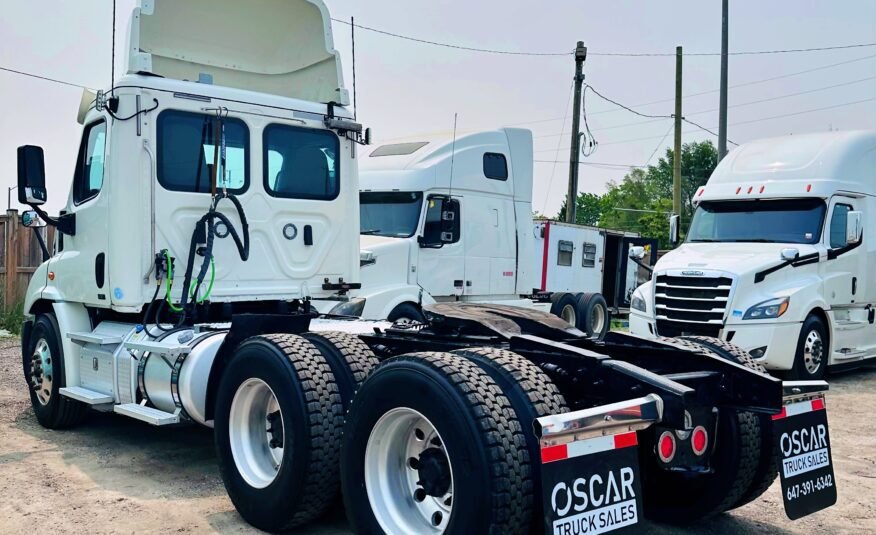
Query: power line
[[671, 126], [556, 151], [46, 78], [743, 53]]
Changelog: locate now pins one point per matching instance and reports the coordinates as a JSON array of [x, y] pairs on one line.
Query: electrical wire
[[648, 162], [46, 78], [557, 150]]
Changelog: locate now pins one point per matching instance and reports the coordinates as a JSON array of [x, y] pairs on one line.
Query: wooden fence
[[20, 254]]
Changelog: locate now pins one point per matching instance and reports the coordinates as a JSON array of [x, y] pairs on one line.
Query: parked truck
[[775, 260], [449, 219], [203, 220]]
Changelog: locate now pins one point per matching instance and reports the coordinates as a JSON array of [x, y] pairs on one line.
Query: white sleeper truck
[[450, 220], [777, 256], [210, 208]]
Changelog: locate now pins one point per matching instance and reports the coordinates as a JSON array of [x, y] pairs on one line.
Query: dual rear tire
[[588, 312]]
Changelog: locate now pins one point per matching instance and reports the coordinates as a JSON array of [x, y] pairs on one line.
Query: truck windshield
[[390, 213], [772, 221]]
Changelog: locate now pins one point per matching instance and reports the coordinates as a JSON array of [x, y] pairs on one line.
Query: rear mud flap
[[590, 467], [806, 464]]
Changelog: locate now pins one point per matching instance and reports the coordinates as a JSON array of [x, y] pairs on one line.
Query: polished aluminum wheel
[[408, 476], [597, 320], [570, 315], [41, 373], [813, 352], [256, 433]]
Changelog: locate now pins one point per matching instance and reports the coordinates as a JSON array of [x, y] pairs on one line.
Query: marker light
[[750, 188], [738, 190], [808, 188], [666, 447], [761, 189], [51, 275], [699, 440]]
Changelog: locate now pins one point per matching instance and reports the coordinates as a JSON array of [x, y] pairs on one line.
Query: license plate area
[[592, 485], [806, 464]]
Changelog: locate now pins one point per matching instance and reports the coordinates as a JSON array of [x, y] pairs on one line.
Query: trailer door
[[630, 274]]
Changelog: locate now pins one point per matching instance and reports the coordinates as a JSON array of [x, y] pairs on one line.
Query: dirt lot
[[114, 475]]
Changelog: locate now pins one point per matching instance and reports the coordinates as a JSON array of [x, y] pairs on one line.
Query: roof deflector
[[281, 47]]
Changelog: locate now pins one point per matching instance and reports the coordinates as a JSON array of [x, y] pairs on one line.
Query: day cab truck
[[206, 217], [777, 258], [449, 219]]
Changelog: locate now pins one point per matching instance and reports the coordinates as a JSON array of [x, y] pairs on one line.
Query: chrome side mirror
[[637, 252], [854, 227], [790, 254], [673, 228]]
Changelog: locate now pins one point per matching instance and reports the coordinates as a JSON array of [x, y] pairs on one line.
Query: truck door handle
[[854, 285]]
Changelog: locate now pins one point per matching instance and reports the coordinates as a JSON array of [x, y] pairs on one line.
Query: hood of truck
[[731, 258], [279, 47], [391, 261]]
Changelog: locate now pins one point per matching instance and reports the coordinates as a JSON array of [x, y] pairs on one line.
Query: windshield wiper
[[753, 240], [703, 240], [369, 232]]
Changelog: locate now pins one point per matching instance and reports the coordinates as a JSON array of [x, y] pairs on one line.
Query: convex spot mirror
[[854, 227], [637, 252], [790, 254], [31, 219], [31, 175]]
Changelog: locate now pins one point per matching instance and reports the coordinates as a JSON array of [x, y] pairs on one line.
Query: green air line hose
[[200, 300]]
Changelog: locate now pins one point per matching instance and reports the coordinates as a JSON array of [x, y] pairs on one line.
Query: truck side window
[[301, 163], [433, 225], [186, 146], [88, 178], [588, 257], [495, 166], [838, 223], [564, 253]]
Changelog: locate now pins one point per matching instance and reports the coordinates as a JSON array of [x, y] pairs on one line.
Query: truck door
[[85, 277], [488, 225], [844, 274], [630, 274], [441, 266]]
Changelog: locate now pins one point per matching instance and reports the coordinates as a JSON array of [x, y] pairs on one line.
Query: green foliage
[[12, 317], [642, 201]]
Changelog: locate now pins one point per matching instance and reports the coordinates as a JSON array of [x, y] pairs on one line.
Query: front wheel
[[810, 360], [277, 431], [44, 372]]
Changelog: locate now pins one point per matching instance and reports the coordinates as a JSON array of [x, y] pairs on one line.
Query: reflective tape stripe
[[800, 407], [587, 447]]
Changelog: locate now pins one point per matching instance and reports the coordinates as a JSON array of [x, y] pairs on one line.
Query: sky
[[406, 88]]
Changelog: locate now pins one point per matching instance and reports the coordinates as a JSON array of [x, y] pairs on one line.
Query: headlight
[[638, 302], [772, 308], [353, 307]]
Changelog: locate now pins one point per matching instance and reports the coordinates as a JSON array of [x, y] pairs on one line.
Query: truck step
[[85, 395], [171, 349], [146, 414], [95, 338]]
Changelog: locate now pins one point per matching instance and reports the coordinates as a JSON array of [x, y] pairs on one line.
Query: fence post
[[11, 243]]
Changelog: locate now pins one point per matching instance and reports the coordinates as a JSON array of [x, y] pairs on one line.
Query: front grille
[[691, 305]]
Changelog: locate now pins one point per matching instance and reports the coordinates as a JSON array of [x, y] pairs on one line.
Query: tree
[[588, 209], [698, 160]]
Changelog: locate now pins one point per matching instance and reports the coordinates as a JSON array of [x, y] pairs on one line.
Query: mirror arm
[[65, 223], [42, 243], [643, 265]]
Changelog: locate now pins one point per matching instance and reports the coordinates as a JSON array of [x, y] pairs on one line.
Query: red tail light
[[666, 446], [699, 440]]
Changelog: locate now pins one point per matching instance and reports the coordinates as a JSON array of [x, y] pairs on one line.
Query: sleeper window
[[186, 150], [495, 166], [301, 163]]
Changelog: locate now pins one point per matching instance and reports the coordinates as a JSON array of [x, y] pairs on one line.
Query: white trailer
[[203, 222], [777, 256], [450, 220]]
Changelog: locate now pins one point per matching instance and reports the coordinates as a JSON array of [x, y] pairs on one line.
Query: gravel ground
[[115, 475]]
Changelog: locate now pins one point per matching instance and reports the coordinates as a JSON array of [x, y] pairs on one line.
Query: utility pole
[[572, 197], [722, 114], [676, 157]]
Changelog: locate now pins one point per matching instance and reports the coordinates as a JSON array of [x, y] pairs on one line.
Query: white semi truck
[[203, 220], [494, 251], [776, 258]]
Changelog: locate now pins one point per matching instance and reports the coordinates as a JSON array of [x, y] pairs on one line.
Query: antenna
[[113, 61], [353, 37], [452, 153]]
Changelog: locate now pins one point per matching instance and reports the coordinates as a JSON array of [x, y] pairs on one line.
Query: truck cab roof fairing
[[280, 47]]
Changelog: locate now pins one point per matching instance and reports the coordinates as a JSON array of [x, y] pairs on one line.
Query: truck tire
[[407, 311], [271, 380], [350, 359], [768, 466], [431, 444], [532, 395], [566, 308], [593, 316], [810, 358], [45, 375]]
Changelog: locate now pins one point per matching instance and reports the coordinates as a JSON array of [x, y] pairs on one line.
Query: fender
[[71, 317]]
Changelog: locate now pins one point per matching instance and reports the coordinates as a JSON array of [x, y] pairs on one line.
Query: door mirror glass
[[31, 219], [673, 229], [790, 254], [854, 227], [442, 225], [367, 136], [31, 175], [637, 252]]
